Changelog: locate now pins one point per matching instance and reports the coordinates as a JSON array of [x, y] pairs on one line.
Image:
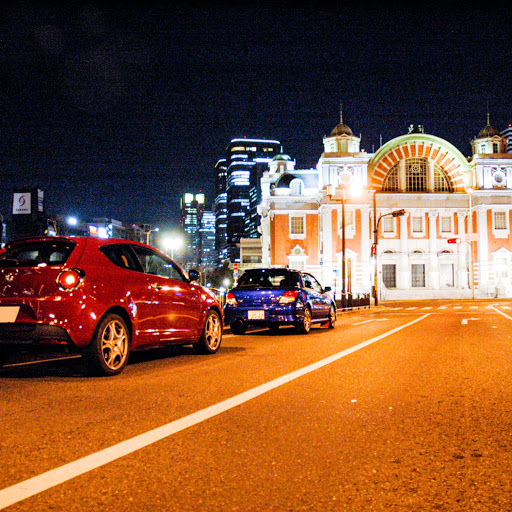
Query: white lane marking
[[442, 307], [506, 307], [395, 309], [427, 307], [457, 307], [371, 320], [45, 481], [500, 312], [414, 307], [466, 320], [473, 307]]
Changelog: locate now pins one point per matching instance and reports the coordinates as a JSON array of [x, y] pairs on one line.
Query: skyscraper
[[246, 160], [221, 211], [207, 255], [192, 207]]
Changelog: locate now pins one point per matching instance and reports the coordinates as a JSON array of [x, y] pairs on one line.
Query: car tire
[[107, 353], [332, 317], [238, 328], [305, 325], [211, 337]]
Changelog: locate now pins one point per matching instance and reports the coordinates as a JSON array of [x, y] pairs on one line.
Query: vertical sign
[[21, 203], [40, 200]]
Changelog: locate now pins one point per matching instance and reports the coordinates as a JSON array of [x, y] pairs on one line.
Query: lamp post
[[148, 233], [172, 244], [395, 213], [343, 263], [355, 190]]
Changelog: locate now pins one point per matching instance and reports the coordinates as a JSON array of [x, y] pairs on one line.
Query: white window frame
[[447, 218], [297, 258], [297, 236], [501, 232], [388, 221], [420, 217]]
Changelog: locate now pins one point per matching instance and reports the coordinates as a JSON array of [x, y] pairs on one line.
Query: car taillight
[[231, 300], [70, 278], [288, 297]]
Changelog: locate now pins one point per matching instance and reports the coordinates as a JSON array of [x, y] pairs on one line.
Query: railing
[[353, 301]]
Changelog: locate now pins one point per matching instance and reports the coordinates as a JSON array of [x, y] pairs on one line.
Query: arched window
[[418, 176], [391, 181], [297, 187]]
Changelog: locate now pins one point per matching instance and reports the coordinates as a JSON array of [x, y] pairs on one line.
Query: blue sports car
[[271, 297]]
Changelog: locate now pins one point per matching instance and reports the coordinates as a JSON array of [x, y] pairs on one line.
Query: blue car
[[272, 297]]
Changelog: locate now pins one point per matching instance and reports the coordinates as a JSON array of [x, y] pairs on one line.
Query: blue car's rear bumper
[[281, 315]]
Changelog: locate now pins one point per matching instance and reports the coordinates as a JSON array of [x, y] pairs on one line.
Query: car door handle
[[156, 286]]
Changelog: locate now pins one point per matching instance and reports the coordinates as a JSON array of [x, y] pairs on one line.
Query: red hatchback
[[101, 298]]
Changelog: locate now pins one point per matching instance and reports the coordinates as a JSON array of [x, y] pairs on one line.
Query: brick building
[[445, 195]]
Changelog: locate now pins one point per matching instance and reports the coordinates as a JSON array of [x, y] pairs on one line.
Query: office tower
[[192, 207], [246, 160]]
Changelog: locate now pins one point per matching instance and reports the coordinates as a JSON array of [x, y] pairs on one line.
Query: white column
[[325, 243], [482, 263], [433, 271], [463, 257], [403, 275]]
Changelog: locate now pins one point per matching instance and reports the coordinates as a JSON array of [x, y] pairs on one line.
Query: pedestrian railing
[[353, 301]]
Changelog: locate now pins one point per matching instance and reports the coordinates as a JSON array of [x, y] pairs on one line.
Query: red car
[[101, 298]]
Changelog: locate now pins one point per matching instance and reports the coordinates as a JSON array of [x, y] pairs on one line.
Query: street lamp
[[395, 213], [355, 190], [148, 233], [172, 244], [469, 240]]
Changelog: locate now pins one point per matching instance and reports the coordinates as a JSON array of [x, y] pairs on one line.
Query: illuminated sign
[[21, 203]]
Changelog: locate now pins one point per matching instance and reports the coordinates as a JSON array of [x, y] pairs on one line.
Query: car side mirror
[[327, 289], [194, 275]]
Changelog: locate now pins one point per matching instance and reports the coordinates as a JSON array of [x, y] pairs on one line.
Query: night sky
[[115, 112]]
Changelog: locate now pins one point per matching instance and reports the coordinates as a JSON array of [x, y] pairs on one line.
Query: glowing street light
[[173, 243]]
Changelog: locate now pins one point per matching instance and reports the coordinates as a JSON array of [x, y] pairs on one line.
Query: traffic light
[[454, 240], [374, 250]]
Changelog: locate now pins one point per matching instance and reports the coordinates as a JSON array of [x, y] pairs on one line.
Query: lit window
[[417, 224], [500, 220], [297, 226], [417, 172], [388, 224], [446, 224]]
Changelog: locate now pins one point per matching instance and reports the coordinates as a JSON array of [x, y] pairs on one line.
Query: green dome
[[282, 157], [341, 129]]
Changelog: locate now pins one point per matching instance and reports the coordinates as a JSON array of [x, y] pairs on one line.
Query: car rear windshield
[[33, 254], [268, 278]]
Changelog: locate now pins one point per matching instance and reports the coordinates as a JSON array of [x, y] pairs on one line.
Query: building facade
[[192, 206], [239, 192], [337, 220]]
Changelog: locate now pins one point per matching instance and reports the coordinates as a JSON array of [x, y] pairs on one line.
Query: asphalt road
[[404, 407]]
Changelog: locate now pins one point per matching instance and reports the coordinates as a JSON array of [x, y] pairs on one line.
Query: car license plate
[[8, 314], [256, 315]]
